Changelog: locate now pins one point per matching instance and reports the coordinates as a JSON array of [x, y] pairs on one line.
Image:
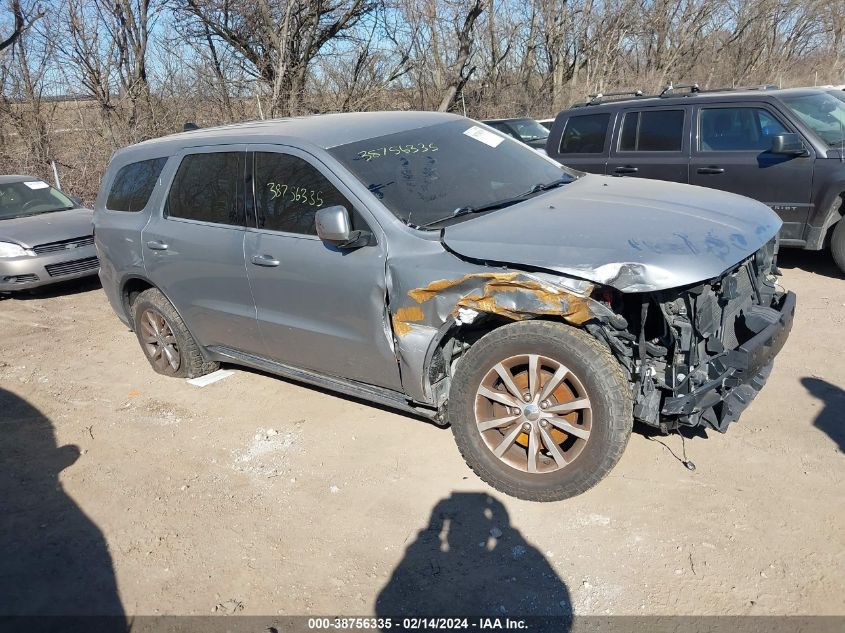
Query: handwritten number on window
[[396, 150], [297, 194]]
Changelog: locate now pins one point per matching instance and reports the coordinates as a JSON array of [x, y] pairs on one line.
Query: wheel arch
[[453, 339], [130, 288]]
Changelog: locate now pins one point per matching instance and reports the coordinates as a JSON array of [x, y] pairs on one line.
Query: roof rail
[[668, 91], [598, 97]]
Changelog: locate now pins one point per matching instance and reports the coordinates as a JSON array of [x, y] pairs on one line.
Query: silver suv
[[432, 264]]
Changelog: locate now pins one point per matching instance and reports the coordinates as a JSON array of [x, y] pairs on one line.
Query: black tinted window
[[289, 192], [737, 129], [585, 134], [206, 188], [652, 131], [134, 184]]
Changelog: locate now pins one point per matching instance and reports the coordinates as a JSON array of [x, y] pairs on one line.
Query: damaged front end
[[698, 355], [695, 355]]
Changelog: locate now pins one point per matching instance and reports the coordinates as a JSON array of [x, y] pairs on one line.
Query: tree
[[21, 23], [278, 39]]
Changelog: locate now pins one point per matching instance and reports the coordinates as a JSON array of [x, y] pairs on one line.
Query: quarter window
[[134, 184], [289, 192], [652, 131], [737, 129], [207, 188], [585, 134]]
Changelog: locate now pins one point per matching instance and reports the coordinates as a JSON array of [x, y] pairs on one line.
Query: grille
[[76, 242], [75, 266], [20, 279]]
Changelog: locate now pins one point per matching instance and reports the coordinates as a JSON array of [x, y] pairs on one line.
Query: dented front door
[[319, 307]]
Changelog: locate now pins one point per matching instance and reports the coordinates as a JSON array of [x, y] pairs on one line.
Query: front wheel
[[539, 410]]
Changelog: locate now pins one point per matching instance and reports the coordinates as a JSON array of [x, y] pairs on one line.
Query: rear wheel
[[540, 410], [164, 338], [837, 244]]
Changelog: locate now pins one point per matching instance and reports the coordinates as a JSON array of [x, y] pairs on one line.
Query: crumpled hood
[[633, 234], [47, 227]]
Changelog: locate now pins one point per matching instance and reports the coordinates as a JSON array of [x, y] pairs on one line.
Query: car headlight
[[7, 249]]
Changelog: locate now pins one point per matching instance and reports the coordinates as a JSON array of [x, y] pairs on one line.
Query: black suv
[[784, 147]]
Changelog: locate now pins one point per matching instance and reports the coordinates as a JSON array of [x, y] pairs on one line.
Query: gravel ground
[[129, 492]]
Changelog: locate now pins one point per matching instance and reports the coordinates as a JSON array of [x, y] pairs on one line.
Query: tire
[[151, 311], [606, 414], [837, 244]]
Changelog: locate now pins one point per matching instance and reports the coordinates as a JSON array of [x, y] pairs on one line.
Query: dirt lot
[[259, 496]]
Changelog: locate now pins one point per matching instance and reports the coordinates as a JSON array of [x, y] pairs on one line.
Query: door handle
[[265, 260], [156, 245], [711, 170], [627, 169]]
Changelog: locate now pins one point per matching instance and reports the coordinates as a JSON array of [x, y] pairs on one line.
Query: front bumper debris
[[741, 373]]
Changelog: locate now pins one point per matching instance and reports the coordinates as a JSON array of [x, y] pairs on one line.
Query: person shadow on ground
[[831, 419], [470, 561], [53, 559]]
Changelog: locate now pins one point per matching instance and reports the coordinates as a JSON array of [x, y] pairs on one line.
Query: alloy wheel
[[533, 413], [159, 341]]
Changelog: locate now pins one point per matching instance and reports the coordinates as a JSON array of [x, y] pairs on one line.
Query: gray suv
[[432, 264], [785, 148]]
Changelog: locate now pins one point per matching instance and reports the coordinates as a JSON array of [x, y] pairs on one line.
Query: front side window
[[447, 172], [207, 187], [824, 113], [289, 191], [31, 197], [133, 185], [585, 134], [652, 131], [737, 129]]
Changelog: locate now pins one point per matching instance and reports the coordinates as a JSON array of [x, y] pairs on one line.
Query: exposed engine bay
[[698, 355]]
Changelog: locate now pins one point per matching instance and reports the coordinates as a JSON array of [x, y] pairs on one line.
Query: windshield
[[824, 113], [529, 129], [429, 173], [31, 197]]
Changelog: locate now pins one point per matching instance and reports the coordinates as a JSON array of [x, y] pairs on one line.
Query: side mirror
[[333, 226], [76, 200], [790, 144]]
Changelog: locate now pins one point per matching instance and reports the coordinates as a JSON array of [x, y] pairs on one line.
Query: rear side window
[[585, 134], [737, 129], [652, 131], [207, 188], [289, 192], [134, 184]]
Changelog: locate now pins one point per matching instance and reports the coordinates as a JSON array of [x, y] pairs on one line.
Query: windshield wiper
[[461, 211]]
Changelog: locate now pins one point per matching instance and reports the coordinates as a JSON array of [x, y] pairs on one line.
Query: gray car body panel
[[635, 235], [47, 227], [44, 228], [426, 286]]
